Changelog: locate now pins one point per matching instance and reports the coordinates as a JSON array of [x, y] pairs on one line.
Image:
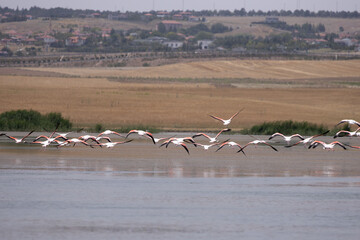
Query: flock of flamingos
[[103, 139]]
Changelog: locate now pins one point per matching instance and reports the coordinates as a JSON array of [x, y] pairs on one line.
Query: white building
[[204, 44], [173, 44]]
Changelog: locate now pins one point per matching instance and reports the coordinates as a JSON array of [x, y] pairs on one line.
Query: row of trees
[[305, 30], [273, 42], [69, 13]]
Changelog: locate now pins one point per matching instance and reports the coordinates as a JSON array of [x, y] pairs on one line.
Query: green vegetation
[[286, 127], [27, 120]]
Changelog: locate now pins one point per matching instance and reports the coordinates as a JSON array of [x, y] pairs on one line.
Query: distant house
[[194, 19], [204, 44], [147, 17], [272, 20], [178, 17], [75, 41], [49, 39], [171, 25], [346, 41], [162, 14], [151, 40], [173, 44], [29, 41], [29, 17], [113, 17]]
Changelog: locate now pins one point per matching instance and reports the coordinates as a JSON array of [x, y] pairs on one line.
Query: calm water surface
[[143, 192]]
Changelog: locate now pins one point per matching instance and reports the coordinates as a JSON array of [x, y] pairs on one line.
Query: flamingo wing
[[276, 134], [224, 130], [217, 118], [184, 146]]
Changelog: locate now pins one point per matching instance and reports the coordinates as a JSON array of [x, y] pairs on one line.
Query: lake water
[[140, 191]]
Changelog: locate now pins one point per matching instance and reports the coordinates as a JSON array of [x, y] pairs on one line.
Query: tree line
[[60, 12]]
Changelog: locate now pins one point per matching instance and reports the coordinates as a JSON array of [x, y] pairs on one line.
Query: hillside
[[240, 25]]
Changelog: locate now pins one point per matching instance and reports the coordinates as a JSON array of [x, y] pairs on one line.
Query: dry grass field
[[179, 105], [240, 69]]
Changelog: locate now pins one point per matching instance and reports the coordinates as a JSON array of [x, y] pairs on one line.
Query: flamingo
[[46, 142], [112, 144], [63, 135], [141, 133], [356, 133], [226, 121], [256, 142], [286, 138], [107, 132], [307, 140], [177, 142], [331, 145], [75, 141], [50, 139], [231, 144], [17, 140], [94, 138], [207, 147], [214, 139], [349, 121], [160, 139]]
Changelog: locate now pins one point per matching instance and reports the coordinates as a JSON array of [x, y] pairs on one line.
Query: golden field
[[241, 69], [179, 105]]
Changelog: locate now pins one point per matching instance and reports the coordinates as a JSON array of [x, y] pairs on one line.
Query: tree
[[321, 27], [161, 28], [8, 50], [174, 36], [219, 28], [204, 35]]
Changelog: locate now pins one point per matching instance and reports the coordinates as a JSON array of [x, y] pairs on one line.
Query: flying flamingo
[[356, 133], [107, 132], [349, 121], [256, 142], [286, 138], [161, 139], [331, 145], [231, 144], [94, 138], [75, 141], [226, 121], [214, 139], [177, 142], [112, 144], [207, 147], [141, 133], [44, 143], [17, 140], [308, 140], [50, 139]]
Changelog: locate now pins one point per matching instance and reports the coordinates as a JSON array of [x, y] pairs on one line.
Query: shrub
[[26, 120], [286, 127], [98, 127]]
